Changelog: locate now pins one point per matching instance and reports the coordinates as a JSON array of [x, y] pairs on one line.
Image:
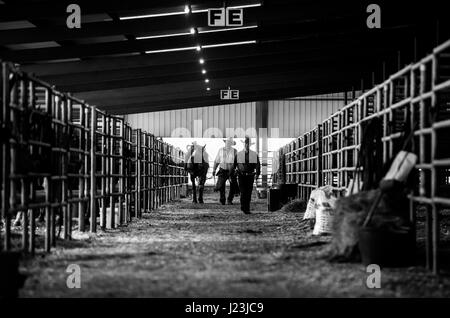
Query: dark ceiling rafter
[[161, 93], [247, 97], [224, 75], [250, 65]]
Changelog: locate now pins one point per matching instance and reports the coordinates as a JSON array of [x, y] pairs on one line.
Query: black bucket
[[387, 248], [10, 278]]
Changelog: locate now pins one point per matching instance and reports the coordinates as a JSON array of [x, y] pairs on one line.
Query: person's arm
[[235, 160], [258, 167], [216, 163]]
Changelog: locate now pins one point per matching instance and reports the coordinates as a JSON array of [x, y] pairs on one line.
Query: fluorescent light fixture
[[200, 10], [208, 89], [206, 80], [203, 71], [229, 29], [191, 31], [246, 6], [229, 44], [172, 50], [201, 61], [161, 36], [234, 7], [152, 15]]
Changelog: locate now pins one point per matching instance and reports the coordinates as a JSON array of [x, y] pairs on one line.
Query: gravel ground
[[210, 250]]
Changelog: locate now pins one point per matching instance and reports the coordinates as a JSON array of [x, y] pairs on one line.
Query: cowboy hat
[[230, 140], [247, 139]]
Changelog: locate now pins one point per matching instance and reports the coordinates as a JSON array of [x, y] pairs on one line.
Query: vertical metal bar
[[111, 171], [23, 180], [81, 185], [31, 244], [56, 158], [6, 160], [144, 170], [25, 220], [103, 173], [138, 174], [127, 173], [49, 188], [86, 169], [434, 181], [319, 156], [121, 171], [31, 184], [47, 215], [67, 119], [93, 174]]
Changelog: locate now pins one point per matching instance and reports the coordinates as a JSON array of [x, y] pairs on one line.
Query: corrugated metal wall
[[292, 117], [164, 123]]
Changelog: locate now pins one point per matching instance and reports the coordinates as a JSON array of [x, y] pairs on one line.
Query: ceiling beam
[[29, 10], [294, 91], [160, 94], [302, 48], [215, 69], [125, 47]]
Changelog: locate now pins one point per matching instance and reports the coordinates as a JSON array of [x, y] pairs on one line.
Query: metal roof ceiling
[[287, 48]]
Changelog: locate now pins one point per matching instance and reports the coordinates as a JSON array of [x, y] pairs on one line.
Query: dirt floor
[[210, 250]]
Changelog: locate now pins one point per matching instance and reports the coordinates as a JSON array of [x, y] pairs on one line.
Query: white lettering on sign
[[229, 94], [221, 17]]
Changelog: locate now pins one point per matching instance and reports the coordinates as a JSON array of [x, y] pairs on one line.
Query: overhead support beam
[[221, 77], [196, 88], [112, 100], [216, 68], [186, 41], [311, 47], [182, 104], [30, 10]]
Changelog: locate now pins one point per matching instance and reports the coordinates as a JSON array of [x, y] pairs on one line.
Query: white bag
[[321, 208], [311, 207]]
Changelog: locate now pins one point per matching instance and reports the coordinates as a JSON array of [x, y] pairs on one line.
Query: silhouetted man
[[248, 170]]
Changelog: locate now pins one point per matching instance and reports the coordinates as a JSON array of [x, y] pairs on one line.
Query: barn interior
[[347, 104]]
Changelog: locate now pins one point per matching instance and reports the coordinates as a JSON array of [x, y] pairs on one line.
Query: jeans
[[223, 176], [246, 188]]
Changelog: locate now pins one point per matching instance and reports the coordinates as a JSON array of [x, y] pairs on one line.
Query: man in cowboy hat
[[226, 160], [248, 169]]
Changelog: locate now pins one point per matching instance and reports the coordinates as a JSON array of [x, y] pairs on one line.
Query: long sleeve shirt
[[248, 162], [226, 159]]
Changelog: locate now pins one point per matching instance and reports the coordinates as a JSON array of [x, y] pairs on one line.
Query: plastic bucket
[[386, 248]]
